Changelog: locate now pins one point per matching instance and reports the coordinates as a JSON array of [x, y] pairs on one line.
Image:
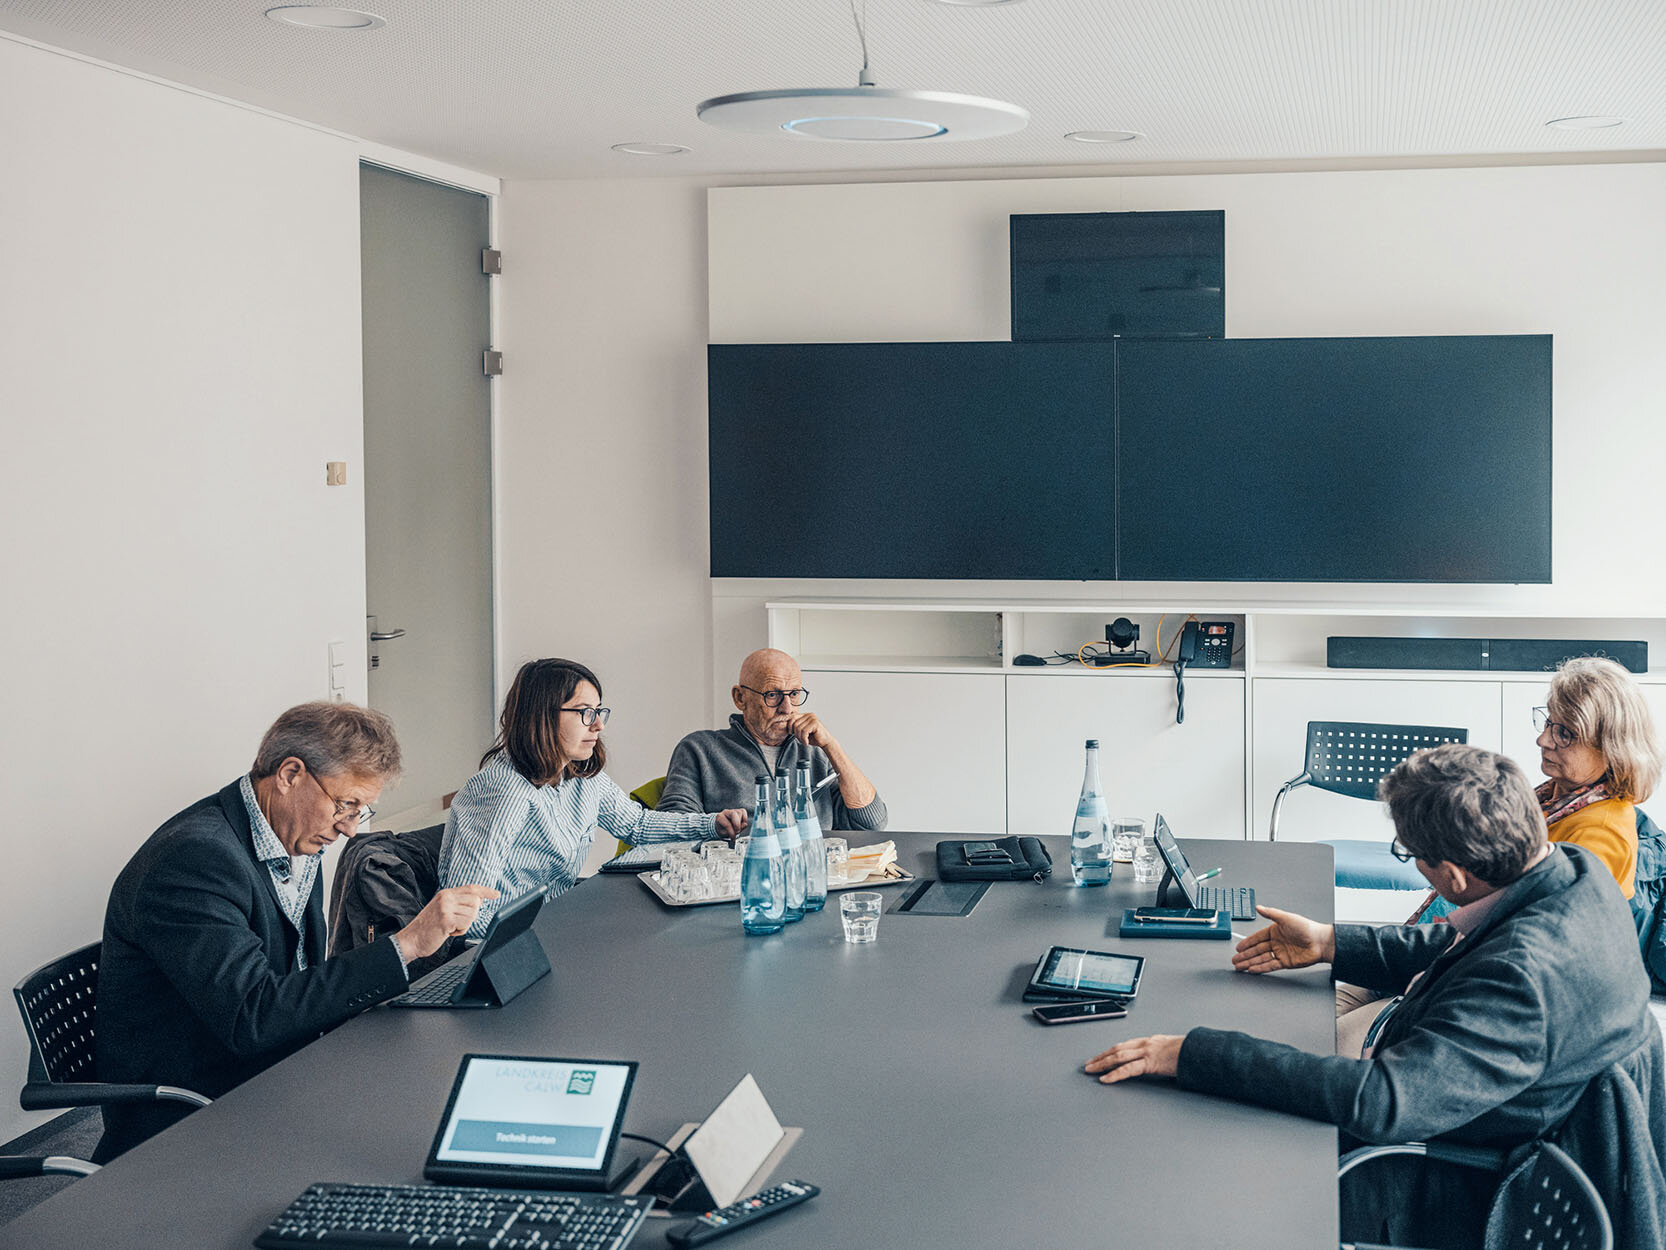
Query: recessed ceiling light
[[320, 17], [1103, 136], [1594, 122], [650, 149]]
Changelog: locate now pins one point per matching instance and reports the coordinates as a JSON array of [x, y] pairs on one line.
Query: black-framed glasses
[[591, 715], [346, 809], [772, 698], [1563, 736], [1400, 852]]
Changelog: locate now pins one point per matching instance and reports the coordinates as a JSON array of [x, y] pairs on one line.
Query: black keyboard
[[1237, 899], [438, 986], [435, 1215]]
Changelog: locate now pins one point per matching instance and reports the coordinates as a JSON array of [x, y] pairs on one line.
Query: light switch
[[338, 672], [335, 473]]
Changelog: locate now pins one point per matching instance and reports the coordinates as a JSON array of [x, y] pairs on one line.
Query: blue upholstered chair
[[1350, 758]]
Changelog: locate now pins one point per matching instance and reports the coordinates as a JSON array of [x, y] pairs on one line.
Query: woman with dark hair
[[525, 819]]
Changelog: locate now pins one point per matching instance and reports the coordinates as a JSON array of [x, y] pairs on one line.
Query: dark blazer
[[1493, 1046], [197, 986]]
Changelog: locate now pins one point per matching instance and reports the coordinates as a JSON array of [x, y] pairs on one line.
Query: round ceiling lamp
[[864, 113], [1590, 122], [320, 17]]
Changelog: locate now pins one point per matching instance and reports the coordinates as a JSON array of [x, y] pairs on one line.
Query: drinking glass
[[838, 856], [860, 910], [723, 866], [1126, 834], [682, 874], [1148, 864]]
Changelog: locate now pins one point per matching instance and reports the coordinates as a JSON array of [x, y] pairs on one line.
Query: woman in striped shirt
[[526, 818]]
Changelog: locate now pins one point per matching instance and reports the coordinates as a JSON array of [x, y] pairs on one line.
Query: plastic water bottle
[[763, 877], [809, 836], [792, 850], [1090, 851]]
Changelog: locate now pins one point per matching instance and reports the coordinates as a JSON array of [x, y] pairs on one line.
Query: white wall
[[602, 450], [179, 356], [1574, 251]]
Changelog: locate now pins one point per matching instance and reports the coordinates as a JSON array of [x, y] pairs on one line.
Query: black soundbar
[[1512, 655]]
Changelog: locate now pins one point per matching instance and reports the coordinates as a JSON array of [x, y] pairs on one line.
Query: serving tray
[[891, 876]]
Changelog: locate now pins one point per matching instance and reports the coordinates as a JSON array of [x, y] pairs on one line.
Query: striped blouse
[[507, 833]]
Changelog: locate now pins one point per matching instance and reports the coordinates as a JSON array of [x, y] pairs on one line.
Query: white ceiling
[[544, 88]]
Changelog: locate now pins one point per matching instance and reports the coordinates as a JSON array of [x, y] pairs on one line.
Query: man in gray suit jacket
[[1507, 1014]]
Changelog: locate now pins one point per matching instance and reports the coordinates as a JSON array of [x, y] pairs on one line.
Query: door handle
[[387, 637]]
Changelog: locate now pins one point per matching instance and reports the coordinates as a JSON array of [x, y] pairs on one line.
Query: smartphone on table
[[1088, 1009], [1175, 915]]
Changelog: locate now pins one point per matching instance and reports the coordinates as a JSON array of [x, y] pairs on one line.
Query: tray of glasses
[[889, 875]]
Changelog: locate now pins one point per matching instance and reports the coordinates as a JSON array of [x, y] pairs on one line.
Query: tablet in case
[[1131, 928]]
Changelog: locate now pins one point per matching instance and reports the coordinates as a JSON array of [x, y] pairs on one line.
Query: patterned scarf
[[1560, 809]]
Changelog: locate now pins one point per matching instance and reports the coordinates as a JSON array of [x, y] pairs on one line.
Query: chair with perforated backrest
[[1544, 1201], [1350, 758], [59, 1003]]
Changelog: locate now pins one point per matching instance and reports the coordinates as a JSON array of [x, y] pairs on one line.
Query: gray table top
[[938, 1111]]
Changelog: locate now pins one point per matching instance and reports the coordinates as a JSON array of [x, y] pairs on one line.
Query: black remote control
[[737, 1215]]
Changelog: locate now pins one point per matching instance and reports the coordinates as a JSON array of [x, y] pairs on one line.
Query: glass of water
[[860, 910], [1127, 832], [838, 860], [1148, 864]]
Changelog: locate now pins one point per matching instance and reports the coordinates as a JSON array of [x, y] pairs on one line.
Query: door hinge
[[491, 260], [493, 364]]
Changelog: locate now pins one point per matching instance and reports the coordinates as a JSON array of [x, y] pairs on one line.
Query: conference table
[[938, 1112]]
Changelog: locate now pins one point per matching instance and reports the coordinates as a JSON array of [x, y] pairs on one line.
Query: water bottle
[[763, 878], [1090, 851], [809, 836], [792, 850]]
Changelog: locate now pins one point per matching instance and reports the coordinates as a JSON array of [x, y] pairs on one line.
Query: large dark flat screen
[[1118, 275], [1357, 460], [918, 460]]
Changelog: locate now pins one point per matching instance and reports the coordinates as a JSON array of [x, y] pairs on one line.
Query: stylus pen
[[824, 783], [1204, 876]]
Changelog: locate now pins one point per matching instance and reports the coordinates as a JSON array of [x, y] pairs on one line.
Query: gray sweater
[[715, 769]]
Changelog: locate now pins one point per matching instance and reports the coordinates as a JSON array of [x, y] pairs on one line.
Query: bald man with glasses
[[769, 730]]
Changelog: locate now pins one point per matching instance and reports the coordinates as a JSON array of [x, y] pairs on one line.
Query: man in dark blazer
[[1532, 994], [213, 964]]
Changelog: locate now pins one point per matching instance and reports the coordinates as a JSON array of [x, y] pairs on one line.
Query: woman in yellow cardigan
[[1598, 749]]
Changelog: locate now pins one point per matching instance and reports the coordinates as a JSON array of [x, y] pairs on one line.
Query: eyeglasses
[[591, 715], [346, 809], [1400, 852], [1563, 736], [772, 698]]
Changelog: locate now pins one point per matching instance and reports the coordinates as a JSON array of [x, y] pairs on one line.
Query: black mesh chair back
[[58, 1003], [1351, 757], [1548, 1203]]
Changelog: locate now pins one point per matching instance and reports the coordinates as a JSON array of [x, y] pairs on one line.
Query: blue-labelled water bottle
[[1090, 850], [792, 851], [809, 837], [763, 878]]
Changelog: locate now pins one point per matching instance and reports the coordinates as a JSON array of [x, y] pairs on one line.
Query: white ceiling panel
[[544, 88]]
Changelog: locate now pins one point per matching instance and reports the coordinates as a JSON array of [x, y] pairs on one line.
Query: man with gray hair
[[213, 964], [1508, 1016]]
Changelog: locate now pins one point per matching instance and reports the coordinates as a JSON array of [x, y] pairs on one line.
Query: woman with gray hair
[[1601, 757]]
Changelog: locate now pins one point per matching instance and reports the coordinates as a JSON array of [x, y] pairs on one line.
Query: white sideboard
[[924, 694]]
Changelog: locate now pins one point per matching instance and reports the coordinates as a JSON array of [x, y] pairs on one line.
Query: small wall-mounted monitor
[[1082, 276]]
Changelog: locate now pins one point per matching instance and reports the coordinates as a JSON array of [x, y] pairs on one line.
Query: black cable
[[650, 1140], [1180, 692]]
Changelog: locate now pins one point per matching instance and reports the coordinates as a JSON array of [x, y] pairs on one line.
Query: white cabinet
[[1193, 772], [932, 743], [1282, 708]]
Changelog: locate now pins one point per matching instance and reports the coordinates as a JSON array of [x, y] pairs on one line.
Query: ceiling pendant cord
[[865, 77]]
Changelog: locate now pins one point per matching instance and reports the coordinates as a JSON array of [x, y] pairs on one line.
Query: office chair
[[59, 1006], [1544, 1202], [1350, 758], [648, 794]]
